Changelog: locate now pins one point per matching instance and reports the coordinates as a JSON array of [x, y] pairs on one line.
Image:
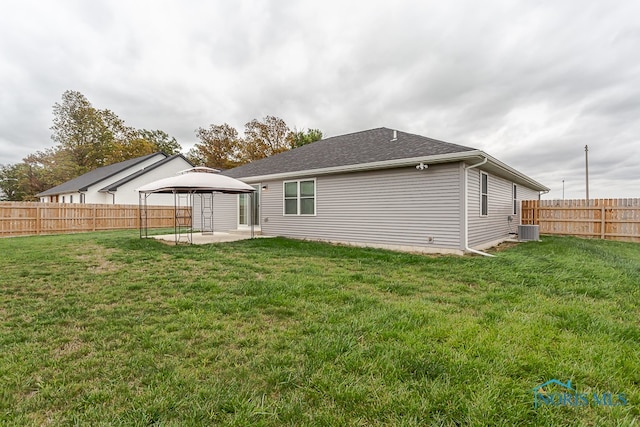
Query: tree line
[[88, 138]]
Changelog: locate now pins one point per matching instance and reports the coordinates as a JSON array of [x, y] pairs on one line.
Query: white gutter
[[384, 164], [466, 208], [511, 173]]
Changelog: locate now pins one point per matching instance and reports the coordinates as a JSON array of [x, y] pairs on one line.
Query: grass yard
[[108, 329]]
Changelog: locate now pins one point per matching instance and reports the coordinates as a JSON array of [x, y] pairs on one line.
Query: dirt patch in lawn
[[504, 246], [96, 258]]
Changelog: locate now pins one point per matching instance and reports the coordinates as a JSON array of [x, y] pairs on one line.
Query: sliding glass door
[[246, 212]]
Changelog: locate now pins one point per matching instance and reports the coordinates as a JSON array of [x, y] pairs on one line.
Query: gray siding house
[[381, 188]]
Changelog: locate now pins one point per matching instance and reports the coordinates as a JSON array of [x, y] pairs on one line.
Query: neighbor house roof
[[114, 186], [83, 182], [369, 150]]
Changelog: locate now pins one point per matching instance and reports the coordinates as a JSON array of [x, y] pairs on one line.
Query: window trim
[[299, 197], [484, 195], [285, 198]]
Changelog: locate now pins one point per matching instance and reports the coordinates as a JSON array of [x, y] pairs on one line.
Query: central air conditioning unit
[[528, 233]]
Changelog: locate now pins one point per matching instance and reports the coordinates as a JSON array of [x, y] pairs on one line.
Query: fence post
[[95, 211], [38, 220], [602, 222]]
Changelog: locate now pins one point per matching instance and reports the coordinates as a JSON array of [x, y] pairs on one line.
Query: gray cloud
[[529, 82]]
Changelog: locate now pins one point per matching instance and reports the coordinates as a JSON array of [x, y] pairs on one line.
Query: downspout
[[541, 193], [113, 197], [466, 209]]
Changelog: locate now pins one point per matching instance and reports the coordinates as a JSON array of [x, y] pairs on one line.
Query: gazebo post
[[140, 224], [191, 193], [252, 209], [175, 216]]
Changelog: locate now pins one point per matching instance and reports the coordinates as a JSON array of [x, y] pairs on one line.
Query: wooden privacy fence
[[25, 218], [613, 219]]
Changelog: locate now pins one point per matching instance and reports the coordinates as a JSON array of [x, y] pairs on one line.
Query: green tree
[[129, 149], [51, 167], [95, 138], [218, 147], [21, 181], [121, 141], [11, 182], [221, 147], [264, 138], [300, 138], [83, 131], [87, 138], [161, 141], [195, 157]]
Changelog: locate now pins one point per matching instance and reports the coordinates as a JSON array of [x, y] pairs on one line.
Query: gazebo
[[195, 182]]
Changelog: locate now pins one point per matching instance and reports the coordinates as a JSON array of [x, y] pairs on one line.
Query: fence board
[[613, 219], [28, 218]]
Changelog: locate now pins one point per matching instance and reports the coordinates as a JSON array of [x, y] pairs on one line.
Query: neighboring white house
[[381, 188], [117, 183]]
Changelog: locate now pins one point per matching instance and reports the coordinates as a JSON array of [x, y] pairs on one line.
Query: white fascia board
[[385, 164], [511, 171], [413, 161]]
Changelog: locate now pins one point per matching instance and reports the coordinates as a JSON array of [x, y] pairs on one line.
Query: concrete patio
[[207, 238]]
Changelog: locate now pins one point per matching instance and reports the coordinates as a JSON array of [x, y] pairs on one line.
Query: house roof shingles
[[368, 146], [83, 182], [114, 186]]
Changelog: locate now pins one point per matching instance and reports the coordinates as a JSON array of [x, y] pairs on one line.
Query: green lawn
[[108, 329]]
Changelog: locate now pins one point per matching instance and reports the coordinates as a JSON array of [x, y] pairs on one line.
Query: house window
[[62, 199], [515, 199], [291, 198], [484, 194], [299, 197], [71, 198], [81, 197]]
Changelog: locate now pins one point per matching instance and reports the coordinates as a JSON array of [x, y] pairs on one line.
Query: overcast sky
[[529, 82]]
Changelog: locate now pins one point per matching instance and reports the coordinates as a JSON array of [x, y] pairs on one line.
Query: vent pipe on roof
[[395, 135]]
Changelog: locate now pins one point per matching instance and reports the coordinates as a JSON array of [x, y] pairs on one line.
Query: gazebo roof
[[197, 180]]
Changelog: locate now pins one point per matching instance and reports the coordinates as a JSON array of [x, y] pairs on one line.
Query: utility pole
[[586, 169]]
